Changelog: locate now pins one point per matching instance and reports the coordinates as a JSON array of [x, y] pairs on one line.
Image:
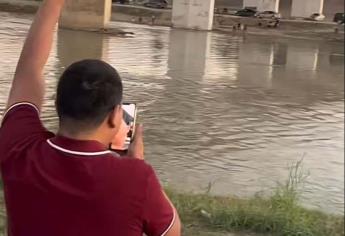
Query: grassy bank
[[279, 214], [274, 216]]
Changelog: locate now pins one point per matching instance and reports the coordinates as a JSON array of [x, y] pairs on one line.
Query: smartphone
[[124, 137]]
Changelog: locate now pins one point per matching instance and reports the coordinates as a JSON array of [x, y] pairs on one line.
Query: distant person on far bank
[[153, 19], [70, 183]]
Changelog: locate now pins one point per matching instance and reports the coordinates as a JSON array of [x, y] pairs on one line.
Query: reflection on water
[[74, 45], [229, 110]]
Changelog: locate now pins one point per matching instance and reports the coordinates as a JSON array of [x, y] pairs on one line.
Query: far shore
[[297, 29]]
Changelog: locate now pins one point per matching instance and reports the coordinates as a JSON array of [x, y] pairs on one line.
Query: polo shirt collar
[[78, 147]]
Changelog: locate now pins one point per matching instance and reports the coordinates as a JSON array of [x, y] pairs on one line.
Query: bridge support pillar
[[86, 14], [306, 8], [193, 14]]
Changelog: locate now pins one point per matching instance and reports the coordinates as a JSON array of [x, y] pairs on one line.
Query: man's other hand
[[136, 148]]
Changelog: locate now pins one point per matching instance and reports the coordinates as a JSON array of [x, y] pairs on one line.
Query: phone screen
[[126, 132]]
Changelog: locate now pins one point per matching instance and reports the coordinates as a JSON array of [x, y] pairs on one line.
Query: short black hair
[[87, 91]]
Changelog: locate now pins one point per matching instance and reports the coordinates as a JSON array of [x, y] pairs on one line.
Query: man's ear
[[115, 117]]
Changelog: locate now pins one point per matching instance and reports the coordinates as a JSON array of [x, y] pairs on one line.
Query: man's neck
[[95, 136]]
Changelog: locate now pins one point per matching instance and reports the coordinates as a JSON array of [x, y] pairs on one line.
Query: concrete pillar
[[262, 5], [86, 14], [193, 14], [305, 8], [250, 4]]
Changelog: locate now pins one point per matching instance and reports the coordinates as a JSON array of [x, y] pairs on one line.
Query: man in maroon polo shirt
[[70, 184]]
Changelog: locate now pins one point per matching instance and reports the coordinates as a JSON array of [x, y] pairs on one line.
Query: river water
[[231, 110]]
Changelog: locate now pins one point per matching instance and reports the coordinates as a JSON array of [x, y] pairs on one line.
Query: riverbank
[[279, 214], [255, 216], [298, 29]]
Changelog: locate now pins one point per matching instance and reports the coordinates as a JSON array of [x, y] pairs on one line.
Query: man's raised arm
[[28, 82]]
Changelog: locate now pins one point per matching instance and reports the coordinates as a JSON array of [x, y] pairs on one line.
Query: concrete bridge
[[189, 14]]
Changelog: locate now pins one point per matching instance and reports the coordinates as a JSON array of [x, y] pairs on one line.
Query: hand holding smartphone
[[126, 132]]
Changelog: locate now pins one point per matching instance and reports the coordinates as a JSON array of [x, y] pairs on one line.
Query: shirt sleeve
[[159, 214], [20, 122]]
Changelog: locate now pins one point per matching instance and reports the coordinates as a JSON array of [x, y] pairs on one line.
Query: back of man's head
[[87, 92]]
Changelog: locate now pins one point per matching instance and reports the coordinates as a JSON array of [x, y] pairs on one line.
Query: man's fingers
[[138, 134], [136, 149]]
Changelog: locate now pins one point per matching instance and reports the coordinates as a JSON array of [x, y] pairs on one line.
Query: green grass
[[277, 215]]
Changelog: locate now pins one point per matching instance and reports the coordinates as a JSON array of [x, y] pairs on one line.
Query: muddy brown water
[[229, 110]]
